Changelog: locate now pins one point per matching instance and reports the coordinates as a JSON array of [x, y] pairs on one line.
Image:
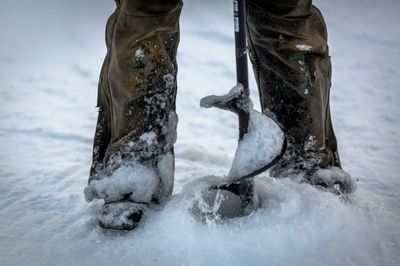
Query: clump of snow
[[260, 145], [149, 138], [334, 176], [304, 47], [139, 53], [310, 143], [169, 80], [136, 180]]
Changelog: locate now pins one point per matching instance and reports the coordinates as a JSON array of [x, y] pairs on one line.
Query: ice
[[260, 146], [210, 101], [50, 58]]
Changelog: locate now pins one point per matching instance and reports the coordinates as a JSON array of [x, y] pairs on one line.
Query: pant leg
[[289, 52], [137, 91]]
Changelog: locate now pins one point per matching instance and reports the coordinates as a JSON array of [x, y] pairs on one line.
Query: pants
[[137, 86]]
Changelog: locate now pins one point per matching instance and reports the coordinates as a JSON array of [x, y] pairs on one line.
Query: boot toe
[[124, 215]]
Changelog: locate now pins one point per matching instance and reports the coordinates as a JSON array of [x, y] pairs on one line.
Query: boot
[[289, 52], [133, 157]]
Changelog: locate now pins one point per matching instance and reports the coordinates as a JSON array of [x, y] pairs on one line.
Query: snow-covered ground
[[50, 57]]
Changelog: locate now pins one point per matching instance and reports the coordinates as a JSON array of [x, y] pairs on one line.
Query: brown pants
[[137, 87]]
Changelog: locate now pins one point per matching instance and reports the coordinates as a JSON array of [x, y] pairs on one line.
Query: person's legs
[[136, 126], [289, 52]]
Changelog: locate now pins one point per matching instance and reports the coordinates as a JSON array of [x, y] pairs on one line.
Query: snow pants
[[137, 87]]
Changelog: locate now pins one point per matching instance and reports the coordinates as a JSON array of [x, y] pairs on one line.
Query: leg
[[137, 89], [289, 53]]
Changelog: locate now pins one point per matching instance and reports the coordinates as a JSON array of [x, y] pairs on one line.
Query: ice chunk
[[211, 100], [260, 146], [136, 180], [166, 170]]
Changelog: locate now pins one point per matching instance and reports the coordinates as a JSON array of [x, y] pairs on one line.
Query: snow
[[333, 176], [149, 138], [50, 58], [139, 53], [139, 181], [169, 80]]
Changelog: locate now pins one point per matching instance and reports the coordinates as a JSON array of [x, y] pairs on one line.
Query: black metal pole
[[239, 17], [239, 12]]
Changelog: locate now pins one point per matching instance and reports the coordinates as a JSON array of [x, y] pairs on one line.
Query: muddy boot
[[289, 52], [133, 158]]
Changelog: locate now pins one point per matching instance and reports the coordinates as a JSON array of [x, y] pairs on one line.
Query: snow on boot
[[123, 215], [334, 179]]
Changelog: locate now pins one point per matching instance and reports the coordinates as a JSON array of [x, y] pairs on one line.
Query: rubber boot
[[289, 52], [133, 158]]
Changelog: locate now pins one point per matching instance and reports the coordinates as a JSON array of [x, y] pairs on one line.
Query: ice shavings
[[261, 145], [304, 47], [134, 180]]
